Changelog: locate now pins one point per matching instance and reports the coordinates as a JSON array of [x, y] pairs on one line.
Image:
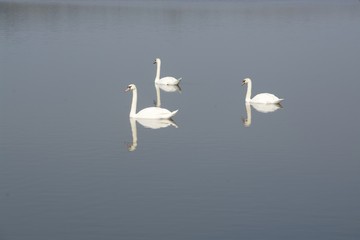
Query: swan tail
[[173, 113], [178, 81]]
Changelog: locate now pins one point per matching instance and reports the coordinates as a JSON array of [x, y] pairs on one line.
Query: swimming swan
[[164, 80], [150, 112], [261, 97]]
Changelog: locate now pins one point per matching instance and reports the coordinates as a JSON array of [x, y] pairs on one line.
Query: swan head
[[130, 87], [157, 60], [245, 81]]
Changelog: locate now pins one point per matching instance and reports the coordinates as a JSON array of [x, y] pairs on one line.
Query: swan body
[[266, 98], [150, 112], [164, 80]]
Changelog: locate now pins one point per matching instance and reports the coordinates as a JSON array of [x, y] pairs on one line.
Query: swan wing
[[266, 98], [155, 113]]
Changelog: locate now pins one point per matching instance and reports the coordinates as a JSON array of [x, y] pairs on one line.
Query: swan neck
[[158, 65], [133, 103], [248, 92]]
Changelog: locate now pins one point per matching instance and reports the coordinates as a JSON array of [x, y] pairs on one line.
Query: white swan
[[261, 97], [164, 80], [150, 112]]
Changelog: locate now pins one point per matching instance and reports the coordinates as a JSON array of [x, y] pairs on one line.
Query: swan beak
[[154, 62], [243, 83], [127, 89]]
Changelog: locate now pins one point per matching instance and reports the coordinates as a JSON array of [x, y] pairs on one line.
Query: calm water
[[228, 171]]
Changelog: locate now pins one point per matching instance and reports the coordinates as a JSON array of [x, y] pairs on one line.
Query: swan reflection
[[260, 107], [165, 88], [266, 108], [247, 121], [170, 88], [157, 123], [147, 123], [132, 146]]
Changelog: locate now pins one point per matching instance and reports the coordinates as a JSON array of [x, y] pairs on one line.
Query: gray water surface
[[73, 166]]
